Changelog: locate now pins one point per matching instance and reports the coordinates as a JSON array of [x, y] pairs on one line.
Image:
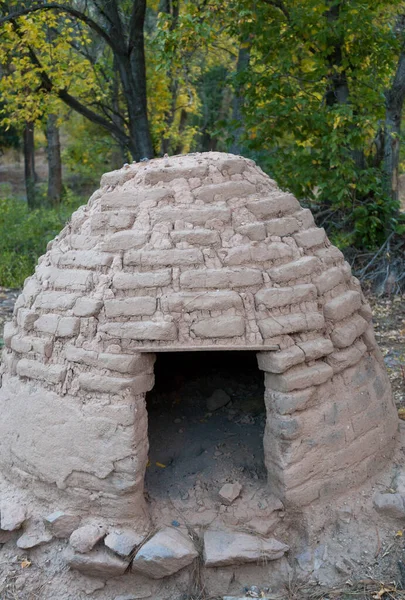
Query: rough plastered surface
[[185, 253]]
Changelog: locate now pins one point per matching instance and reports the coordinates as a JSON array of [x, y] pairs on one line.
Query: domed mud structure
[[190, 253]]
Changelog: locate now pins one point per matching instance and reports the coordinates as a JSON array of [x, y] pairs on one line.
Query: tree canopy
[[312, 89]]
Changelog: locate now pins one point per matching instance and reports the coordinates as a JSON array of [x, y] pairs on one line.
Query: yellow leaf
[[26, 563], [401, 413], [399, 533], [161, 465]]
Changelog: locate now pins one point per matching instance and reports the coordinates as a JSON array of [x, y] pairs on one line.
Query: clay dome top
[[188, 252]]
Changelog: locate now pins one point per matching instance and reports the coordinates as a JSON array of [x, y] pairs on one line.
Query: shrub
[[24, 235]]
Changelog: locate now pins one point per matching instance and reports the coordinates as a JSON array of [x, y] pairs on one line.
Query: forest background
[[312, 90]]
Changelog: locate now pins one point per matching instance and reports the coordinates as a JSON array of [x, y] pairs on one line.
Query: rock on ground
[[124, 541], [61, 524], [98, 563], [391, 505], [164, 554], [222, 548], [34, 534], [86, 537], [229, 492]]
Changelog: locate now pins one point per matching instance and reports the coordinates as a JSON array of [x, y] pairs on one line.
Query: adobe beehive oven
[[197, 252]]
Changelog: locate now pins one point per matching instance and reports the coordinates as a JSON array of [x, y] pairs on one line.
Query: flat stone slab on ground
[[98, 563], [222, 548], [168, 551]]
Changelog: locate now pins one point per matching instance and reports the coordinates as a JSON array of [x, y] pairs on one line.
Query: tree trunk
[[120, 154], [391, 152], [54, 161], [29, 164], [137, 96], [394, 102], [242, 64]]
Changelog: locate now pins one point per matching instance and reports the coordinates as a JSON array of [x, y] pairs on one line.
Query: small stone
[[86, 537], [391, 505], [222, 548], [99, 563], [229, 492], [218, 399], [123, 542], [34, 535], [12, 516], [164, 554], [61, 524]]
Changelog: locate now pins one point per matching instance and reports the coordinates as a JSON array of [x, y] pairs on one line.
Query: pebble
[[229, 492]]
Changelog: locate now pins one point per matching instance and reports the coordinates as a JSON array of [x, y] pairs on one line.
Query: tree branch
[[71, 101], [62, 8]]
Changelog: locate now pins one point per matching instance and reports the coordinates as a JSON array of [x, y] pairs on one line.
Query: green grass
[[24, 235]]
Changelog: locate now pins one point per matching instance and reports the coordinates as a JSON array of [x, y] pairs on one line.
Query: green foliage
[[313, 94], [314, 102], [24, 235], [88, 152]]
